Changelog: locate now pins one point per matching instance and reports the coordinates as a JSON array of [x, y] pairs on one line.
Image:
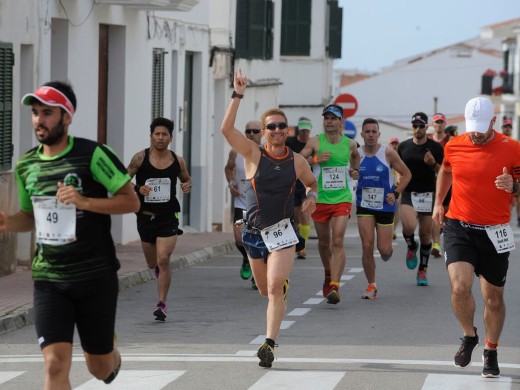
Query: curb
[[24, 316]]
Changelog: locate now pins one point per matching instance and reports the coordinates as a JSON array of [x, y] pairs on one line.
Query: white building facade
[[131, 60]]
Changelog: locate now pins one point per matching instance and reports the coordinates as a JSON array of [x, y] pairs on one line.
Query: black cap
[[420, 117]]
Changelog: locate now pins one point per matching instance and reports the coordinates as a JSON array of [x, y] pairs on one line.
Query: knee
[[275, 287], [368, 247], [337, 242], [100, 371], [55, 366], [494, 303], [460, 291]]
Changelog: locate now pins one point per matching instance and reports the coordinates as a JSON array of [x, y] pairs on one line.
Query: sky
[[378, 32]]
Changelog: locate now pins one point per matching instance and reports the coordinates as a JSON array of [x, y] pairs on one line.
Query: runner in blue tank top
[[376, 200], [269, 234]]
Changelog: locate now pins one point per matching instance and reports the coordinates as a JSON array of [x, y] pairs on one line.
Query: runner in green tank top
[[336, 157]]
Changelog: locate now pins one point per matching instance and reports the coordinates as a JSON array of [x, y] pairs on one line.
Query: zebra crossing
[[328, 374]]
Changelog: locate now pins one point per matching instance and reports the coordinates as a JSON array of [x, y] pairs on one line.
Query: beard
[[53, 135]]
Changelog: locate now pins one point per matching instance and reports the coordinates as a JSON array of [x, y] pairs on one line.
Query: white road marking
[[299, 311], [355, 270], [347, 277], [234, 358], [298, 380], [287, 324], [7, 376], [314, 301], [246, 353], [470, 382], [135, 380], [258, 340]]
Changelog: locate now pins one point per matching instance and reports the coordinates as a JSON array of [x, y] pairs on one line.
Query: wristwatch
[[396, 194], [235, 94]]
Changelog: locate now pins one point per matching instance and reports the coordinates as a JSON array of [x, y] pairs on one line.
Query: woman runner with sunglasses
[[269, 234]]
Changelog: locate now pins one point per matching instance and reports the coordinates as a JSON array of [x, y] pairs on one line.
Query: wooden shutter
[[296, 28], [254, 29], [158, 83], [335, 29], [6, 105]]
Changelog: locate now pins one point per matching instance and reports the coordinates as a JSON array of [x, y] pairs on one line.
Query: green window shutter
[[335, 29], [158, 83], [6, 105], [296, 28], [254, 29]]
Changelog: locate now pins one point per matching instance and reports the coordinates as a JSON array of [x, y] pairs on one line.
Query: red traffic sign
[[349, 104]]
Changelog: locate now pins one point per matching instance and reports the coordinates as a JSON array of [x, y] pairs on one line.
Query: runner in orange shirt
[[483, 167]]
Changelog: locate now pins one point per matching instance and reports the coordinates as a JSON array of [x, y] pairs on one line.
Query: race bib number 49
[[55, 221]]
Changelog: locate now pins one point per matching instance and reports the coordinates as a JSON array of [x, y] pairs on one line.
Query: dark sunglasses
[[439, 121], [252, 131], [274, 125], [418, 126]]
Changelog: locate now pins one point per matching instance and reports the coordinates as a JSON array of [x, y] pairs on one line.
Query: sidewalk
[[16, 290]]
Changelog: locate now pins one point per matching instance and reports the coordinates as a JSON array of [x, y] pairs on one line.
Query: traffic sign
[[350, 129], [349, 104]]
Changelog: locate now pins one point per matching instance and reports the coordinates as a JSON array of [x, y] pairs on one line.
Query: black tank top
[[148, 171], [270, 197]]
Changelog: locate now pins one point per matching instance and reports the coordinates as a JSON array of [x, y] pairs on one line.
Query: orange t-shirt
[[475, 197]]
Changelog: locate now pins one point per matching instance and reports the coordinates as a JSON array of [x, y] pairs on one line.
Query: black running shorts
[[462, 243], [91, 306], [150, 227]]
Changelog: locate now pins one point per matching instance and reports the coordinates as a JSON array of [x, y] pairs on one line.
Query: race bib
[[280, 235], [502, 237], [372, 198], [422, 201], [161, 189], [55, 222], [334, 178]]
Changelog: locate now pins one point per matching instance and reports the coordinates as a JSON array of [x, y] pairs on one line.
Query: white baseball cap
[[478, 113]]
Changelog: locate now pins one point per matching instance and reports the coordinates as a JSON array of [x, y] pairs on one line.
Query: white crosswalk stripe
[[135, 380], [8, 375], [298, 380], [473, 382]]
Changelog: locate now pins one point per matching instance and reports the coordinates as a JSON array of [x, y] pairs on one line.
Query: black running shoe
[[160, 311], [463, 356], [490, 360], [266, 355]]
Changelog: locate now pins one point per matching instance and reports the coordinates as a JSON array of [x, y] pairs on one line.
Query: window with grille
[[335, 29], [254, 29], [296, 28], [158, 83], [6, 105]]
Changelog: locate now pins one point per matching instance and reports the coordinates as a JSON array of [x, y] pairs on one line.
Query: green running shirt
[[333, 175], [95, 171]]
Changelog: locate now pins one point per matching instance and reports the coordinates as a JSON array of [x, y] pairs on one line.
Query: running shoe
[[253, 284], [411, 258], [245, 270], [490, 360], [333, 295], [422, 279], [463, 356], [266, 355], [370, 292], [156, 272], [286, 286], [302, 255], [326, 286], [436, 250], [113, 375], [160, 311]]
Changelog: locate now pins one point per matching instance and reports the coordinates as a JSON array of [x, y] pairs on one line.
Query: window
[[296, 28], [158, 83], [254, 29], [6, 105], [335, 29]]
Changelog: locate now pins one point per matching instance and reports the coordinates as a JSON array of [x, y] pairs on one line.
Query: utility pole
[[435, 99]]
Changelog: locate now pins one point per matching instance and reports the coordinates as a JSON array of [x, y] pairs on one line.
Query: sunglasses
[[252, 131], [440, 121], [274, 125], [418, 126]]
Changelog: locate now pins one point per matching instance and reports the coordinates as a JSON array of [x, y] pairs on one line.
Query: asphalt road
[[405, 339]]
